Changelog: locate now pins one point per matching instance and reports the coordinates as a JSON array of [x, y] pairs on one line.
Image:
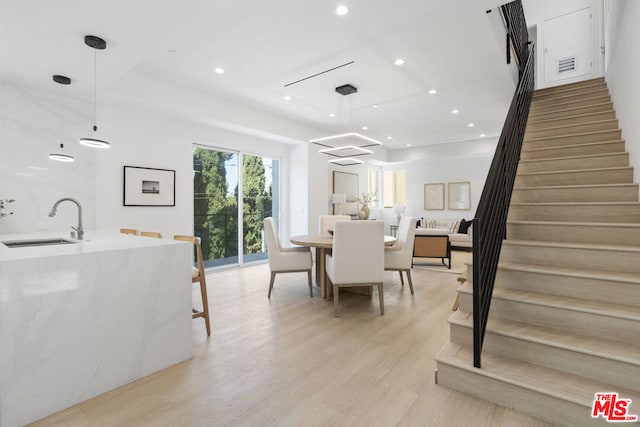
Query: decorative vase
[[364, 212]]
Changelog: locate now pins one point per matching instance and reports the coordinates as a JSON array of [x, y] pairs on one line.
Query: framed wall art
[[347, 183], [434, 196], [459, 195], [149, 187]]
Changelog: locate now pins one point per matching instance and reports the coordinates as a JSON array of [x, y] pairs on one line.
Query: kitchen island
[[79, 319]]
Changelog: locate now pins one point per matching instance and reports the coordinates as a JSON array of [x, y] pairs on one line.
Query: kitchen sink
[[36, 242]]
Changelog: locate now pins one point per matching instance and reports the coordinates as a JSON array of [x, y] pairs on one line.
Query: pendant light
[[60, 156], [95, 43]]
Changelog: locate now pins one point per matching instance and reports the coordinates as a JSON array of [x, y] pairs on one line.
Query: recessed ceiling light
[[408, 145], [454, 111], [389, 137], [471, 125], [332, 114], [219, 70], [433, 92], [286, 98], [365, 127], [399, 61], [376, 106], [482, 135], [342, 10]]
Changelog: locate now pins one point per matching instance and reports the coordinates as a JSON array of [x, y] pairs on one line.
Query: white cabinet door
[[567, 45]]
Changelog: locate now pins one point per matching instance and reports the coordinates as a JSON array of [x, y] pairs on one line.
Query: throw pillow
[[464, 226], [453, 227]]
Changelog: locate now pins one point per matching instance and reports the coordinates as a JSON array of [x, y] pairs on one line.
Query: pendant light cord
[[61, 116], [95, 90]]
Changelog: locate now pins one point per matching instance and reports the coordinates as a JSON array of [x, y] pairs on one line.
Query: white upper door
[[568, 46]]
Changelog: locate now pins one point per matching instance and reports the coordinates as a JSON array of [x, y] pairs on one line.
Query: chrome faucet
[[79, 230]]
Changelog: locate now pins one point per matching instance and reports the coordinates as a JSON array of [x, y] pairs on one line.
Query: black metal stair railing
[[517, 32], [490, 222]]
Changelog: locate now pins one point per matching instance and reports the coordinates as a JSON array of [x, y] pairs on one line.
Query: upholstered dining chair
[[285, 260], [153, 234], [357, 258], [398, 257], [326, 222], [198, 276], [129, 231]]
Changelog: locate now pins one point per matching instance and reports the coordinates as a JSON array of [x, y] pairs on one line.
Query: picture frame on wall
[[434, 196], [149, 186], [459, 195]]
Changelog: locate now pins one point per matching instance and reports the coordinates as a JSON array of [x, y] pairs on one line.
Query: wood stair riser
[[577, 233], [575, 163], [572, 120], [531, 402], [623, 261], [579, 138], [605, 193], [571, 129], [584, 98], [609, 291], [626, 213], [581, 177], [570, 112], [569, 87], [606, 147], [553, 356], [558, 105]]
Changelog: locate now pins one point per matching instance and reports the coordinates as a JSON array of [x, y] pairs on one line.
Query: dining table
[[322, 242]]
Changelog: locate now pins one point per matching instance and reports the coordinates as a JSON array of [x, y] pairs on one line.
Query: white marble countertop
[[94, 241]]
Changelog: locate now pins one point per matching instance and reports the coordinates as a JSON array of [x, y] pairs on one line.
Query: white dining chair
[[285, 260], [326, 222], [399, 256], [357, 258]]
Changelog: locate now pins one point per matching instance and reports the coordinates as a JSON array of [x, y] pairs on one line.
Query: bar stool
[[129, 231], [151, 234], [198, 275]]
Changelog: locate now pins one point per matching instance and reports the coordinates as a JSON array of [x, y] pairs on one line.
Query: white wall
[[29, 122], [538, 11], [449, 162], [622, 75]]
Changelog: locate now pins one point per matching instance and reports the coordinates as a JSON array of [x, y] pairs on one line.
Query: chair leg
[[401, 279], [381, 298], [273, 278], [205, 304], [336, 296], [310, 284], [410, 281]]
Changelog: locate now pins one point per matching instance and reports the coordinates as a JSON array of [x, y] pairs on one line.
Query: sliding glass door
[[233, 193]]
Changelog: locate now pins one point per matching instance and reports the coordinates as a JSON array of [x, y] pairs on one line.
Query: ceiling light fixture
[[95, 43], [399, 61], [365, 127], [342, 10], [389, 137], [482, 135], [286, 98], [433, 92], [61, 157], [219, 70], [347, 161], [332, 114], [376, 106], [346, 151], [454, 111], [471, 125]]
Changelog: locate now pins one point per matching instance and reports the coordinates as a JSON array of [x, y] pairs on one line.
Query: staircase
[[565, 315]]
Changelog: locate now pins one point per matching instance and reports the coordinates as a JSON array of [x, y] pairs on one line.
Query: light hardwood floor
[[288, 362]]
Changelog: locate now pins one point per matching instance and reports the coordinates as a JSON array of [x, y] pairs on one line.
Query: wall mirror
[[346, 183]]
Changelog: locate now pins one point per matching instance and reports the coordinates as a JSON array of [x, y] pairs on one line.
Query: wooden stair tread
[[558, 384], [579, 273], [575, 170], [614, 141], [547, 138], [608, 309], [575, 203], [580, 224], [568, 100], [570, 245], [583, 84], [551, 121], [535, 115], [583, 156], [574, 186], [573, 125], [615, 350]]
